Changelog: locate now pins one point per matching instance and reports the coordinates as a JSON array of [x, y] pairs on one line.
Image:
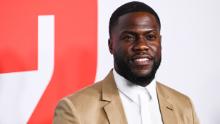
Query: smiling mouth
[[142, 60]]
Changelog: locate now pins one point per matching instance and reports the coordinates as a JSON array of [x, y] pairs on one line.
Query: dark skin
[[135, 43]]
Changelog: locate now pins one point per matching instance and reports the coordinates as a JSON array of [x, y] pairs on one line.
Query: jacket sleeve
[[65, 113], [195, 118]]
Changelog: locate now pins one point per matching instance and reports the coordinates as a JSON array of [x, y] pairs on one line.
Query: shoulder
[[170, 92], [177, 98], [90, 96], [77, 105], [82, 100], [181, 103], [87, 94]]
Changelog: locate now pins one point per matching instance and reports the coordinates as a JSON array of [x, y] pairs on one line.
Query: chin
[[142, 76], [142, 73]]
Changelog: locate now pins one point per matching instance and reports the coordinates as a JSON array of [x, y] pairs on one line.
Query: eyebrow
[[128, 32], [133, 32]]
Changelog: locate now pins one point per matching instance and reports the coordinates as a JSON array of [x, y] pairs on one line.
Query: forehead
[[143, 20]]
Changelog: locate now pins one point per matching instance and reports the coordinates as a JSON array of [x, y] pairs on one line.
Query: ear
[[110, 45]]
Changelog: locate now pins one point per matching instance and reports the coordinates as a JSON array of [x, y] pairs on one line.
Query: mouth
[[141, 60]]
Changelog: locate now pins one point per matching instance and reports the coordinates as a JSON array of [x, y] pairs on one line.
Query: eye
[[151, 37], [129, 37]]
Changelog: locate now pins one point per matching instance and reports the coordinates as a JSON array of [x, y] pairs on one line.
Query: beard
[[125, 70]]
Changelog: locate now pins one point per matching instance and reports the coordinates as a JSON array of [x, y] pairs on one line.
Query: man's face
[[135, 43]]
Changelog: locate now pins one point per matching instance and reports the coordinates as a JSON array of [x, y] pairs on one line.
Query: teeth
[[141, 59]]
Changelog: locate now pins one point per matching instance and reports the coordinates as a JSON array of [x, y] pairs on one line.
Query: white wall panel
[[190, 41]]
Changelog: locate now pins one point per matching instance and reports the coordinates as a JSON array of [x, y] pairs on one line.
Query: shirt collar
[[132, 90]]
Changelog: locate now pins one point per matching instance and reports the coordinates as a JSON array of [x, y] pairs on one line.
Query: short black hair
[[129, 7]]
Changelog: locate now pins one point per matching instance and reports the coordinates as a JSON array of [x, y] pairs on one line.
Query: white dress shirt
[[140, 103]]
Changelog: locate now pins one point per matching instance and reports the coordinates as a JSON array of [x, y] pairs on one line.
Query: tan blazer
[[101, 104]]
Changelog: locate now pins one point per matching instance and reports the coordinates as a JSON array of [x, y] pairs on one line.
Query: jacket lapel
[[166, 107], [113, 106]]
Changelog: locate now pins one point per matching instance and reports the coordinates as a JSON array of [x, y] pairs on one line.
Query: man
[[129, 94]]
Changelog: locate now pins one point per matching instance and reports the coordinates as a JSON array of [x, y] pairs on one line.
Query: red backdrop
[[75, 46]]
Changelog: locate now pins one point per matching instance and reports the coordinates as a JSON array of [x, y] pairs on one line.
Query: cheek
[[158, 52], [118, 52], [123, 49], [156, 49]]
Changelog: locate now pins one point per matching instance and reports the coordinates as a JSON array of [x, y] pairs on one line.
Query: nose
[[141, 45]]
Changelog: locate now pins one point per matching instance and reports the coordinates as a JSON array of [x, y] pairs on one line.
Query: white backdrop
[[190, 41]]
